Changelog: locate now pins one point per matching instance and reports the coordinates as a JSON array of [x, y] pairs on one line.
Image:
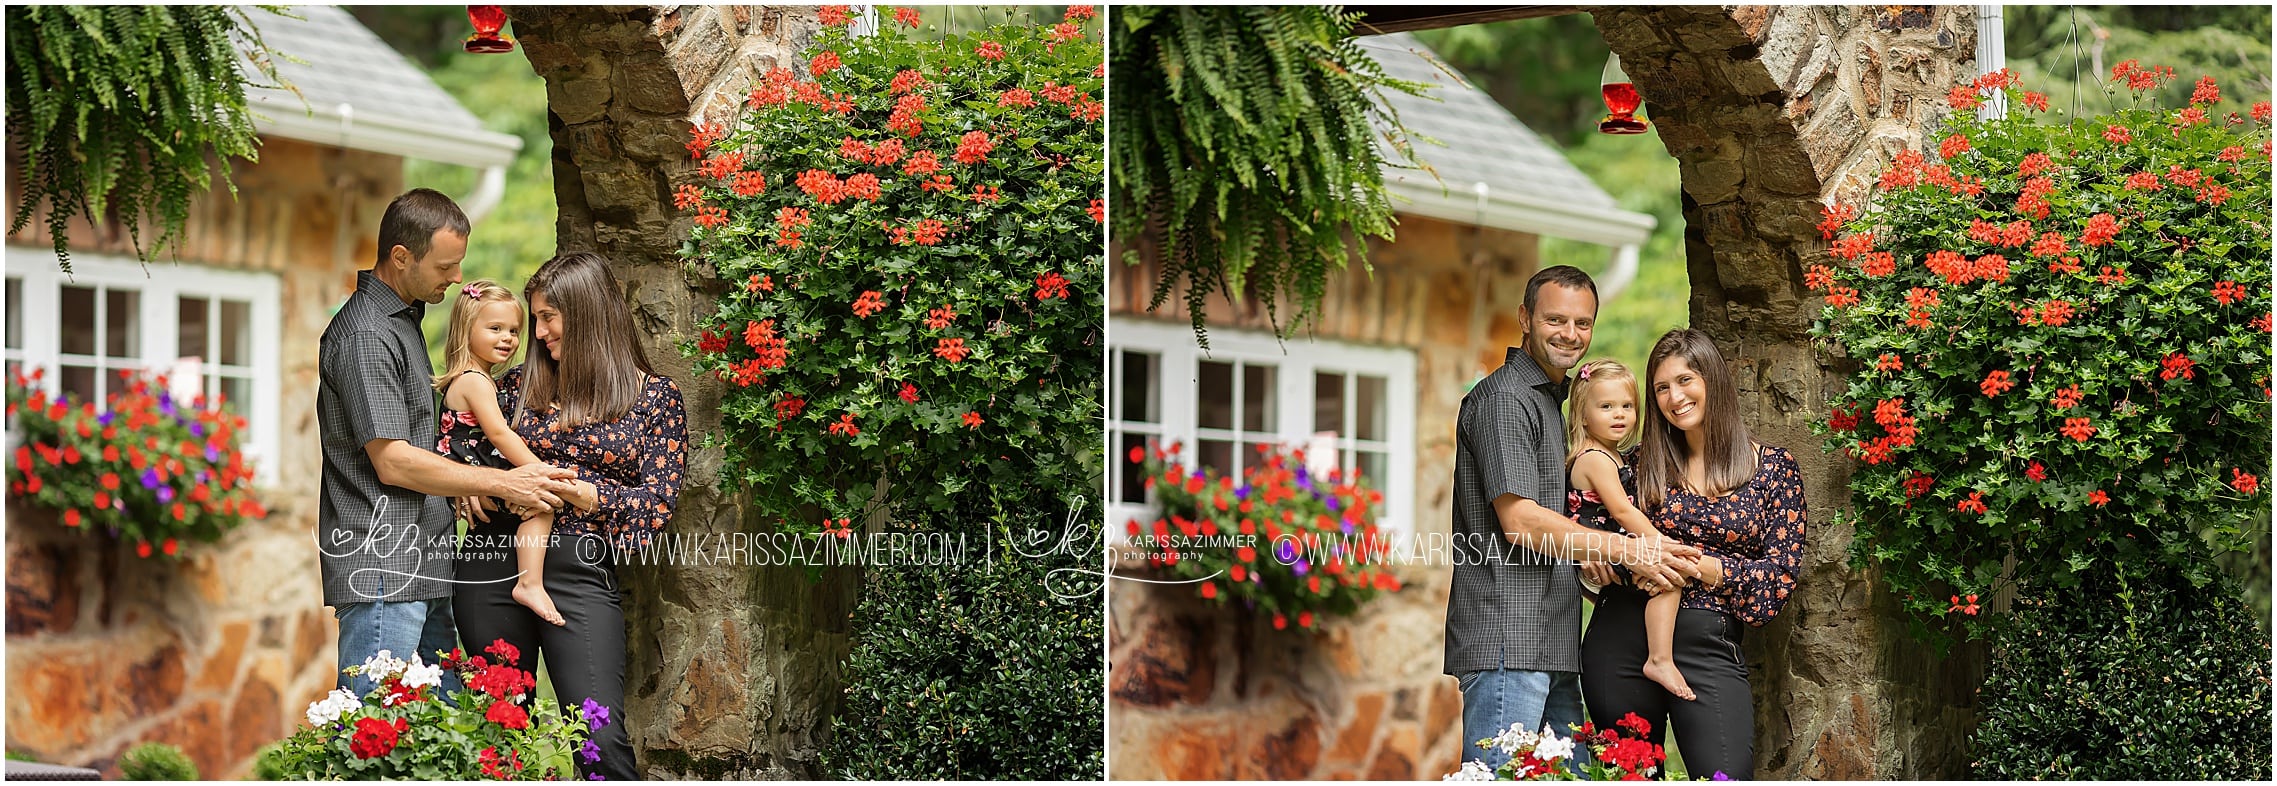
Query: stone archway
[[733, 671], [1773, 111]]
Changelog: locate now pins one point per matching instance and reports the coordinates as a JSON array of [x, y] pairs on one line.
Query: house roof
[[1496, 171], [361, 94]]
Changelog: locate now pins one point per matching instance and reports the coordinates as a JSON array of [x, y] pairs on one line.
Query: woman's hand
[[1708, 572], [582, 495], [1600, 574]]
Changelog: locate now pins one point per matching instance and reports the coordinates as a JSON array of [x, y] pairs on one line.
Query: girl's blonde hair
[[1584, 395], [470, 300]]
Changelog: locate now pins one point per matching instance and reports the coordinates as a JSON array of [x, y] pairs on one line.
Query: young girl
[[486, 327], [1601, 421]]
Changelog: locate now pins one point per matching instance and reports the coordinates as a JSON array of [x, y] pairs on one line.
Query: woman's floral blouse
[[1756, 532], [636, 462]]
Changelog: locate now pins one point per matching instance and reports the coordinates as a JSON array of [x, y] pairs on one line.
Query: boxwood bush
[[976, 672], [2115, 682]]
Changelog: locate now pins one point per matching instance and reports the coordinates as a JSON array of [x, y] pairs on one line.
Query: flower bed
[[402, 729], [1278, 542], [2063, 332], [147, 469], [908, 234]]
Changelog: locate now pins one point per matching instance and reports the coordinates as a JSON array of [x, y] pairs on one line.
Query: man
[[1514, 612], [382, 517]]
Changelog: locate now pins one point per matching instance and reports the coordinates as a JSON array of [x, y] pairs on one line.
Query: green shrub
[[2153, 682], [976, 671], [156, 761]]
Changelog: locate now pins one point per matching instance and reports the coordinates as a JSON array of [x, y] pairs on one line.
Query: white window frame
[[160, 285], [1296, 360]]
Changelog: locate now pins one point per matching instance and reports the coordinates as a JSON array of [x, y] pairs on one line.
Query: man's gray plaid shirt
[[379, 542], [1510, 607]]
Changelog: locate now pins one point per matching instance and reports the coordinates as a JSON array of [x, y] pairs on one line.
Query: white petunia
[[1550, 748], [335, 704], [1471, 771], [422, 676]]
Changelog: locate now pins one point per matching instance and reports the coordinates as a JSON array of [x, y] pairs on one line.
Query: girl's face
[[1680, 393], [1613, 413], [548, 321], [497, 332]]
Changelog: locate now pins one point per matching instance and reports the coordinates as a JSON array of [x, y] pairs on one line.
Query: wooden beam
[[1403, 18]]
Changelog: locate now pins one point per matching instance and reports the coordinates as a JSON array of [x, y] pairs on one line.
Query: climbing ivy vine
[[125, 112], [1246, 151]]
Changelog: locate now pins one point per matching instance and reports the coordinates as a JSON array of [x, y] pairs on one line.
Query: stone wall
[[1199, 692], [734, 670], [220, 652], [1773, 112]]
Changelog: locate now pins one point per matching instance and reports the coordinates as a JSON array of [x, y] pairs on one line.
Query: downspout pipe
[[1992, 55]]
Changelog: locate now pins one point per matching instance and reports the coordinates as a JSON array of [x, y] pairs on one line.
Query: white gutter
[[1618, 276], [1992, 55], [1608, 226], [340, 126]]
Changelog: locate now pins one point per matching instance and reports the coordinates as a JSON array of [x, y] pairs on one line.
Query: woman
[[594, 407], [1704, 483]]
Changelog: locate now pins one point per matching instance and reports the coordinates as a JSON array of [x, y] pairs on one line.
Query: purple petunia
[[1242, 492], [1333, 505], [165, 494], [1347, 526], [212, 453], [591, 751], [166, 404], [1720, 776], [198, 430], [150, 478], [594, 776], [596, 714], [1285, 551], [105, 418]]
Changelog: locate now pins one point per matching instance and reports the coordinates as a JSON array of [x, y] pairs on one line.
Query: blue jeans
[[403, 628], [1494, 700]]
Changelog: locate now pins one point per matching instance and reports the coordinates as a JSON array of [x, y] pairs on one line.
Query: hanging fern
[[126, 111], [1245, 144]]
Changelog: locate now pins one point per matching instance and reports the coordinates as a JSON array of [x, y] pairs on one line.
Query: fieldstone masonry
[[734, 669], [1773, 112]]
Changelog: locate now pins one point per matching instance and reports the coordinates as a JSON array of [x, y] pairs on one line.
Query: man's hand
[[473, 509], [534, 486]]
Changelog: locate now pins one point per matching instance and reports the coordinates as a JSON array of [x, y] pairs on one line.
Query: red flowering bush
[[912, 274], [1284, 545], [2014, 403], [146, 469], [495, 729]]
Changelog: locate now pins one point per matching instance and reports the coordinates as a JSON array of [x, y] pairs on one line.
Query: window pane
[[1216, 454], [80, 381], [237, 393], [1260, 410], [190, 327], [1371, 409], [1130, 481], [1328, 404], [15, 313], [236, 333], [1213, 402], [1138, 388], [1372, 468], [78, 336], [122, 323]]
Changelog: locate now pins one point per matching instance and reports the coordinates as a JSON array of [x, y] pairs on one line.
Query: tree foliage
[[127, 110], [1247, 147]]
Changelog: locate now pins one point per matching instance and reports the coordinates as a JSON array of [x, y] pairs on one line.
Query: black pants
[[1715, 733], [586, 658]]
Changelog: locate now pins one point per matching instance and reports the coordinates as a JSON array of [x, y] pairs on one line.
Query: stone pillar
[[734, 670], [1772, 112]]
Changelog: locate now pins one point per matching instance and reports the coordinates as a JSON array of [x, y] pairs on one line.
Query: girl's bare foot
[[1660, 671], [534, 596]]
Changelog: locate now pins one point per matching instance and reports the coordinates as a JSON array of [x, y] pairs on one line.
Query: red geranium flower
[[1098, 211], [1051, 285], [938, 318], [974, 147], [2118, 135], [845, 426], [868, 303], [837, 15], [2227, 292], [1952, 146], [1974, 504], [374, 738], [989, 50], [2206, 92], [508, 714], [687, 196], [1888, 362], [972, 420], [2065, 398], [952, 350], [1963, 97], [1842, 297], [2079, 429], [2176, 365], [2036, 471], [2098, 498], [2037, 101], [823, 63], [1918, 485], [906, 16], [1996, 383], [2244, 482]]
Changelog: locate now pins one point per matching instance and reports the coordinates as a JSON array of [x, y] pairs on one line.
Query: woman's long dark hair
[[1729, 451], [601, 375]]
